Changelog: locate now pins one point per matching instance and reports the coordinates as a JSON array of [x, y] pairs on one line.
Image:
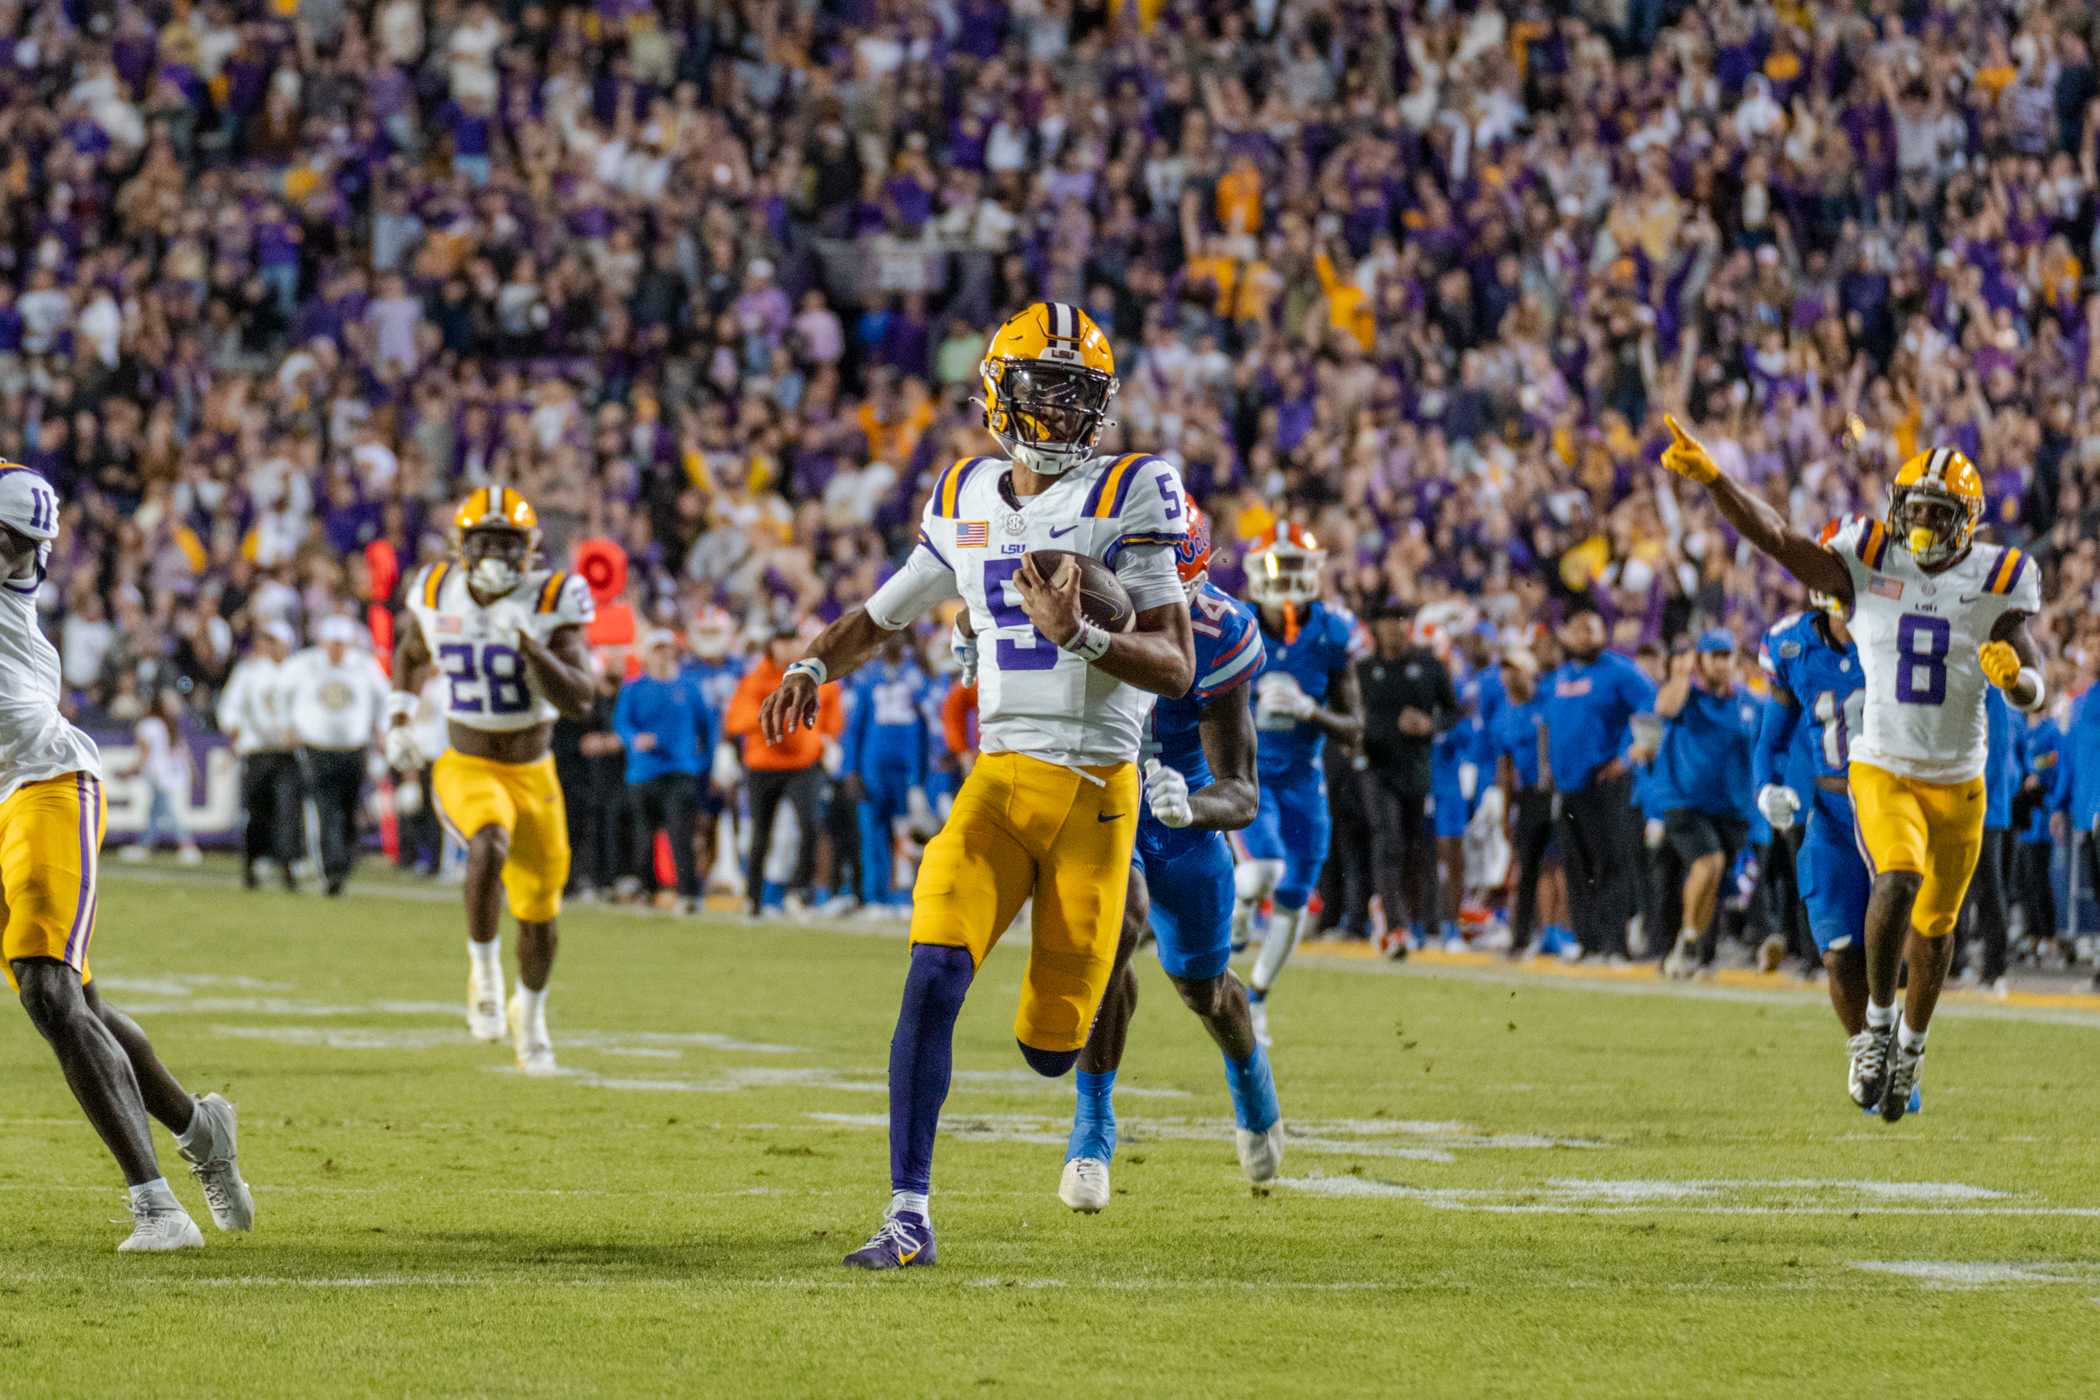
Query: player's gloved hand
[[918, 812], [1686, 455], [1279, 702], [963, 647], [1167, 794], [1468, 779], [726, 771], [2001, 664], [1778, 804], [834, 758], [1653, 833], [403, 754]]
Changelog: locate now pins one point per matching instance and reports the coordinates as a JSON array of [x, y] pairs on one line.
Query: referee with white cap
[[255, 714], [338, 703]]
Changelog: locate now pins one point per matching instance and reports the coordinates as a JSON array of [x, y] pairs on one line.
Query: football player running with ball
[[507, 635], [1050, 812], [1937, 618], [1199, 783]]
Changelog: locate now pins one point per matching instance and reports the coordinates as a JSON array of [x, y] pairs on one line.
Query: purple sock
[[921, 1054]]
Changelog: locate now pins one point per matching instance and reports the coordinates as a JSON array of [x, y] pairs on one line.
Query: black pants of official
[[2034, 887], [1983, 912], [1530, 836], [1599, 843], [1345, 881], [334, 778], [1779, 894], [1404, 846], [666, 803], [419, 842], [271, 825], [803, 788]]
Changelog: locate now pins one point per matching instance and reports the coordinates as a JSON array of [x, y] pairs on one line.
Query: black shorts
[[1694, 835]]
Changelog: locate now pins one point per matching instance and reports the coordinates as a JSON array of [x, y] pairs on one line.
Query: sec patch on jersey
[[1103, 600]]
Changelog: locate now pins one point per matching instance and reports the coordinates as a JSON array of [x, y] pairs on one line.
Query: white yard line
[[1500, 977]]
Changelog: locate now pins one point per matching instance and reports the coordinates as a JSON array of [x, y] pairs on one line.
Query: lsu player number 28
[[52, 813], [1050, 811], [1939, 618], [506, 635]]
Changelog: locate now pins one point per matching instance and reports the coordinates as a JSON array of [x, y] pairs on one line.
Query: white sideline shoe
[[159, 1226], [534, 1047], [1084, 1186], [1261, 1154], [217, 1168]]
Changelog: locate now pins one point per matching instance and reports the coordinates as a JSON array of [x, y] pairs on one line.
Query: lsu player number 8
[[506, 635], [1939, 619]]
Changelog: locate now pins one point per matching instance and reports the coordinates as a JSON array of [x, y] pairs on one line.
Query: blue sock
[[1257, 995], [922, 1054], [1450, 928], [1094, 1117], [1418, 930], [771, 894], [1253, 1087]]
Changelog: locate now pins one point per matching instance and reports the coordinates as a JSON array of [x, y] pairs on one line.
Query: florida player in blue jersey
[[1199, 783], [886, 744], [716, 669], [1458, 758], [1307, 694], [1814, 670]]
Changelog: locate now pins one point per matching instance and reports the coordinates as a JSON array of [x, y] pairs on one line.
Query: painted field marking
[[1972, 1273], [1638, 1196], [1356, 1137]]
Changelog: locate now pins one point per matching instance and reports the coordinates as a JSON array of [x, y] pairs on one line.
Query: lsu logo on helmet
[[1935, 503], [496, 533], [1048, 376]]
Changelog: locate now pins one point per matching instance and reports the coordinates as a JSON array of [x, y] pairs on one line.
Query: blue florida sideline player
[[52, 814], [1199, 783], [1813, 667], [1940, 620], [1306, 694], [1050, 811], [507, 636], [886, 745]]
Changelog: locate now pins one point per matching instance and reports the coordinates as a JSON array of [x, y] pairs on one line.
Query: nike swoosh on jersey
[[1059, 534], [1970, 597], [1108, 816]]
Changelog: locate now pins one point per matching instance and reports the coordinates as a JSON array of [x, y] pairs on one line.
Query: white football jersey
[[1033, 697], [1919, 634], [475, 645], [36, 741]]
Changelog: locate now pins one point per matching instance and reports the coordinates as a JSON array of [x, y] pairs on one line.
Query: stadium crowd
[[710, 280]]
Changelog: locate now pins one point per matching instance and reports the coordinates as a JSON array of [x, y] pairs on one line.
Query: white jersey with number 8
[[1919, 634], [474, 644]]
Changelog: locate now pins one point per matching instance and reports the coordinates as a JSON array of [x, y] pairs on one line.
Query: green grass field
[[1500, 1184]]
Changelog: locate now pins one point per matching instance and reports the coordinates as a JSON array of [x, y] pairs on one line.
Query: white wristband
[[400, 705], [811, 667], [2034, 678], [1089, 643]]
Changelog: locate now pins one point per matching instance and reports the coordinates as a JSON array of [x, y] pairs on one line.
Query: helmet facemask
[[1934, 525], [496, 558], [1047, 416]]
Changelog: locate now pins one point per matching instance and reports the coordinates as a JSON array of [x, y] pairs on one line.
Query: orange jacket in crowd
[[799, 749]]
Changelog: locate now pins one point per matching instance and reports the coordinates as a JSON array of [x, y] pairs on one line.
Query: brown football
[[1103, 600]]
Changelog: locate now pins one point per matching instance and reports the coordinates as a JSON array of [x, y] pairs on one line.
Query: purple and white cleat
[[905, 1241]]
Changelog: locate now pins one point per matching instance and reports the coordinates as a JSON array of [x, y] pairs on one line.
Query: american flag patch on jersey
[[448, 625], [972, 534], [1886, 588]]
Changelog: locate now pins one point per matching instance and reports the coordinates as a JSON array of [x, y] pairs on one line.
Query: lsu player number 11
[[52, 813], [1939, 619], [1050, 811], [506, 635]]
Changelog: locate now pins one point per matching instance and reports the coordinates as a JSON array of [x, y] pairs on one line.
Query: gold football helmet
[[496, 533], [1048, 377], [1934, 505]]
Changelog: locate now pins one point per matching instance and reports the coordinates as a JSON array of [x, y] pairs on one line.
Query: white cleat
[[1084, 1186], [159, 1226], [484, 1012], [1261, 1154], [529, 1038], [1258, 1012], [1683, 960], [217, 1169]]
